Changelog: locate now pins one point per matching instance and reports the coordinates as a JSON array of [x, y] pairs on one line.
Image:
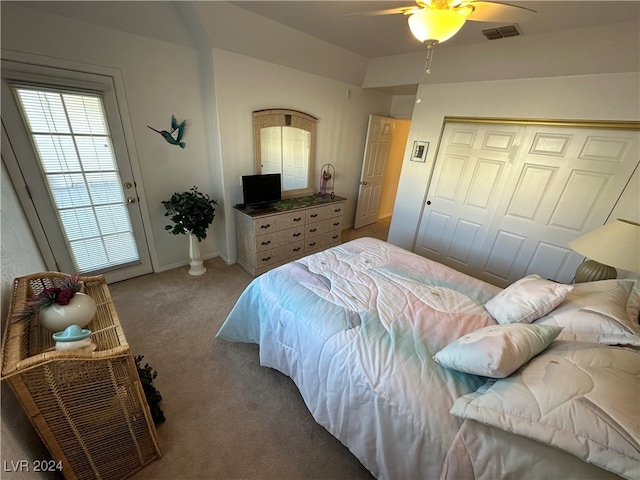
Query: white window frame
[[34, 68]]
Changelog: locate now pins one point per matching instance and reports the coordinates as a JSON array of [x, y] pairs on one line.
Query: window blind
[[71, 139]]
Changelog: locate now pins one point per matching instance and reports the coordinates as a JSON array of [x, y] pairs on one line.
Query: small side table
[[88, 407]]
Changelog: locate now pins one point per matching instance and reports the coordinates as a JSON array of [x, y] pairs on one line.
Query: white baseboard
[[186, 262]]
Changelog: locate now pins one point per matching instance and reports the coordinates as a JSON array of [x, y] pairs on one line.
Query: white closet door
[[500, 215], [470, 175]]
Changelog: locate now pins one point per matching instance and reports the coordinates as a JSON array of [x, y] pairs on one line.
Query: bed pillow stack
[[499, 350], [604, 312]]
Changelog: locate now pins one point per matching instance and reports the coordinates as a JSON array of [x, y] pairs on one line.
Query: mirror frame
[[282, 117]]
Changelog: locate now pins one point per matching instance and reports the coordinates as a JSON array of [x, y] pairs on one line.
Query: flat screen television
[[261, 190]]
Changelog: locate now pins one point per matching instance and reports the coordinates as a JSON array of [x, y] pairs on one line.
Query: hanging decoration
[[174, 137]]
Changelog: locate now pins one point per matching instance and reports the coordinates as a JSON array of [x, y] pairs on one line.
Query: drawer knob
[[313, 230], [335, 237], [266, 259], [296, 234], [296, 249], [314, 215], [266, 243], [268, 225], [297, 219], [338, 210], [336, 224], [313, 244]]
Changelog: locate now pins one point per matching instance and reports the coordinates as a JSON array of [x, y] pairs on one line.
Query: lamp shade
[[439, 25], [616, 244]]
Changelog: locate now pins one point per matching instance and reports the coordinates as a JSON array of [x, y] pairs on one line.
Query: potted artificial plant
[[191, 213]]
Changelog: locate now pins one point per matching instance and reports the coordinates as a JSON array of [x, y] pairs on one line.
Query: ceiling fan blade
[[389, 11], [499, 12]]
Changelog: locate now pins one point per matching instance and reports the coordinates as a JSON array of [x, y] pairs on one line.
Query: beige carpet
[[226, 416], [379, 230]]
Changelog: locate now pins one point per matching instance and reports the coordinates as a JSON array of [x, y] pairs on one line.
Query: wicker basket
[[88, 407]]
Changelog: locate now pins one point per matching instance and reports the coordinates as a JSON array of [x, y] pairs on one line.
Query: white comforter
[[581, 398], [356, 327]]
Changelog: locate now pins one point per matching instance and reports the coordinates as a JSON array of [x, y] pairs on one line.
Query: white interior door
[[376, 155], [506, 199], [66, 150]]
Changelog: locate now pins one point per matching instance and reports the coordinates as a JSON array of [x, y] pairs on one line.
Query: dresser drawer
[[280, 254], [274, 237], [321, 242], [281, 221], [316, 214], [277, 239], [324, 226]]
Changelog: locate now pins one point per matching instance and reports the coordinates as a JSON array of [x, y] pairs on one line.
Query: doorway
[[63, 145], [382, 164]]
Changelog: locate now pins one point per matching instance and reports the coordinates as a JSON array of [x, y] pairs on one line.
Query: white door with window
[[63, 144], [505, 200]]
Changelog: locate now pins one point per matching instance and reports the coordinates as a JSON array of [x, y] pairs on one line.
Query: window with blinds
[[71, 139]]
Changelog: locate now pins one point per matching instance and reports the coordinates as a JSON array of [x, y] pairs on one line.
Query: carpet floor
[[226, 416]]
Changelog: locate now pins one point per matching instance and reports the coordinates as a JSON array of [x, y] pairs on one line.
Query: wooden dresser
[[290, 230]]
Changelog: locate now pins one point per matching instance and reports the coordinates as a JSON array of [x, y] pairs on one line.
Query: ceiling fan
[[435, 21]]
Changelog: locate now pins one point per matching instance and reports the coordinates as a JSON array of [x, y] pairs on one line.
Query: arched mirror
[[285, 143]]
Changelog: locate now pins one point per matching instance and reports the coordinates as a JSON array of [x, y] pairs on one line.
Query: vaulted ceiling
[[368, 36], [377, 36]]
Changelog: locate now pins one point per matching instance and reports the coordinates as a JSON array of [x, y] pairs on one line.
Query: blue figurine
[[169, 136]]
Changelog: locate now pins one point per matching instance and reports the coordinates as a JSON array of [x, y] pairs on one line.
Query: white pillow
[[601, 338], [527, 299], [604, 312], [498, 350]]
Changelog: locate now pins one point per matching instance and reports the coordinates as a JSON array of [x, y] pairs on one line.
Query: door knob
[[364, 183], [127, 184], [131, 199]]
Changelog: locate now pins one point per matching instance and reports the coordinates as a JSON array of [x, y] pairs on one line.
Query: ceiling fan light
[[439, 25]]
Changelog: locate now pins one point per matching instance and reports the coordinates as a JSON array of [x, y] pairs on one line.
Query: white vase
[[195, 265], [79, 311]]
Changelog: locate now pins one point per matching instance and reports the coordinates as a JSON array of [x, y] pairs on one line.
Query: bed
[[425, 372]]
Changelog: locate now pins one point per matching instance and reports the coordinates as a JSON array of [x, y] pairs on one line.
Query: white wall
[[584, 51], [225, 26], [160, 79], [19, 257], [244, 84], [402, 106], [590, 97]]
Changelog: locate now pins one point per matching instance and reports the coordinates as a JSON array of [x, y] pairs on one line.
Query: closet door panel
[[469, 178], [568, 180], [527, 190]]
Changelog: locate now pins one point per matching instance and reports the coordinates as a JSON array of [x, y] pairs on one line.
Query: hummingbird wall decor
[[174, 137]]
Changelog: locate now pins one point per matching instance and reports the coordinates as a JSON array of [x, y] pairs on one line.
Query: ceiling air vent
[[502, 32]]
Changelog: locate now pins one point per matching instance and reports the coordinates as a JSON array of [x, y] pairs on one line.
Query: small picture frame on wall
[[419, 153]]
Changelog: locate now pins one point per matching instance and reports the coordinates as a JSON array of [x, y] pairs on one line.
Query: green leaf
[[191, 211]]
